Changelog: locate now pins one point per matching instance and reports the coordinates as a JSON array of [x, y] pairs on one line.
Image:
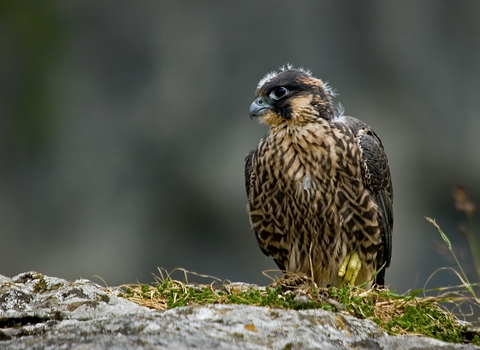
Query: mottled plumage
[[318, 184]]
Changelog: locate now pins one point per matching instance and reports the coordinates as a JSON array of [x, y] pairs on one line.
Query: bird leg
[[349, 269]]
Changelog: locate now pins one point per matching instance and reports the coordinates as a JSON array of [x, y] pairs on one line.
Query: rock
[[40, 312]]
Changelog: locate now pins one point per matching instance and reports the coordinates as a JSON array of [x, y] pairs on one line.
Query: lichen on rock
[[37, 311]]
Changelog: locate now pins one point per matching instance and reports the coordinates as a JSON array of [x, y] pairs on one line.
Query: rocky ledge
[[40, 312]]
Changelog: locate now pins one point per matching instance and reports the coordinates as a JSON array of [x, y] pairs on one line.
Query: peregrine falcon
[[319, 190]]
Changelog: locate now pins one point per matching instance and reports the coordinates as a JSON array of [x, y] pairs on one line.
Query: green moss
[[177, 295], [429, 321], [397, 314], [405, 314]]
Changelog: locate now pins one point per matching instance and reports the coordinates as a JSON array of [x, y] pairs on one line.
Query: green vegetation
[[397, 314], [406, 314], [170, 294], [412, 313]]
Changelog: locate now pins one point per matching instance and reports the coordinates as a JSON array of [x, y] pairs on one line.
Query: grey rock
[[40, 312]]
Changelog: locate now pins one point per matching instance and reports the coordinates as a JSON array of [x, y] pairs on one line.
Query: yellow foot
[[349, 270]]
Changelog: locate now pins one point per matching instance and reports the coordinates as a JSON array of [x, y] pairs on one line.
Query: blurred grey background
[[124, 127]]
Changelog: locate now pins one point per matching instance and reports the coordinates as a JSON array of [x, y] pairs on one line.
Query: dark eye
[[278, 92]]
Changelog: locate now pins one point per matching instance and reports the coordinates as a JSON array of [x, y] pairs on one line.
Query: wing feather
[[248, 184], [377, 179]]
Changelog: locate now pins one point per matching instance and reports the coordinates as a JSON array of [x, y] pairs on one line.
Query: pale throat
[[302, 148]]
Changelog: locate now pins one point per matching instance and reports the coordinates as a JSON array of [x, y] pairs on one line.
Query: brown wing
[[377, 179], [249, 179]]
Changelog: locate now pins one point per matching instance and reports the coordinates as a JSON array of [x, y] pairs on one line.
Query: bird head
[[292, 95]]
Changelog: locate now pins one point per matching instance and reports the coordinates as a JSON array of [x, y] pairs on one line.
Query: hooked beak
[[259, 106]]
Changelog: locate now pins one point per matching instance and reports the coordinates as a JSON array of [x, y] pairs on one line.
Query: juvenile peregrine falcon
[[318, 184]]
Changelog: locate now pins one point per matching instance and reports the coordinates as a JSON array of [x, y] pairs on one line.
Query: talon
[[349, 269]]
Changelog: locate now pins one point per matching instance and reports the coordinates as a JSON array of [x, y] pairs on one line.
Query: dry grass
[[408, 314]]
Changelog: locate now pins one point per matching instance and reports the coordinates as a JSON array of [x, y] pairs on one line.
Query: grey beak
[[258, 107]]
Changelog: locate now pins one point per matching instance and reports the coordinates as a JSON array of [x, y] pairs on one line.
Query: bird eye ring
[[278, 93]]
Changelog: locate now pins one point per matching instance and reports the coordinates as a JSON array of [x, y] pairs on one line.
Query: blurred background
[[124, 127]]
